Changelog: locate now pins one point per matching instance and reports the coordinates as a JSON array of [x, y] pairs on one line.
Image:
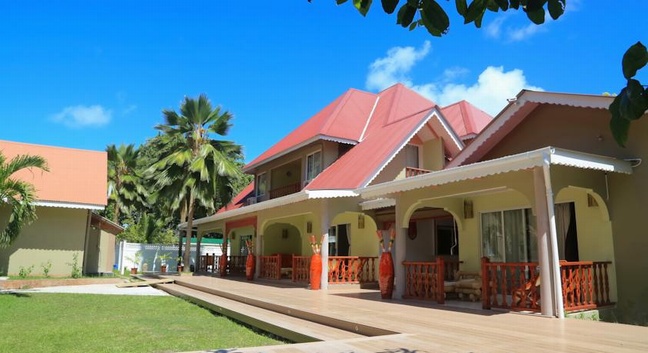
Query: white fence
[[150, 255]]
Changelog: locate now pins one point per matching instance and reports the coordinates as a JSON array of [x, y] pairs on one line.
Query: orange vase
[[316, 271], [386, 275], [250, 265]]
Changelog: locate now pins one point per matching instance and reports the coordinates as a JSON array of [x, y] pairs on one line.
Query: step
[[289, 327]]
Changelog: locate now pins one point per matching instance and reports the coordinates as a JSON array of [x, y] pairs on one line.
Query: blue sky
[[85, 74]]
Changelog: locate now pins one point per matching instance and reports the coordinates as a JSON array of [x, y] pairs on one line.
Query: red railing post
[[440, 277]]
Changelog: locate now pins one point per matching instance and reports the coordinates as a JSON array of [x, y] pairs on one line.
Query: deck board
[[427, 327]]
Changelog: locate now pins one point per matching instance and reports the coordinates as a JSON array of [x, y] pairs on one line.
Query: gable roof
[[515, 112], [466, 119], [343, 120], [76, 178]]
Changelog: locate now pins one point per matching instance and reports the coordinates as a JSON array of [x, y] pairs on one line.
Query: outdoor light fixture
[[361, 221]]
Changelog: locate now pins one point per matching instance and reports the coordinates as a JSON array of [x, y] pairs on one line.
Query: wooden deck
[[405, 325]]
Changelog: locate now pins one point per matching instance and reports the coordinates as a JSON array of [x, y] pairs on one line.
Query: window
[[261, 184], [412, 156], [509, 236], [313, 165], [339, 240]]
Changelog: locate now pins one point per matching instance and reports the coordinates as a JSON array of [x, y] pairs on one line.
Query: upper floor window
[[261, 184], [412, 156], [313, 165]]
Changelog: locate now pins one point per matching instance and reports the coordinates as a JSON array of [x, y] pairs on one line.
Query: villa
[[537, 209]]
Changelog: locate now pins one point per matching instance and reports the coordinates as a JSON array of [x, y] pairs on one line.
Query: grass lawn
[[41, 322]]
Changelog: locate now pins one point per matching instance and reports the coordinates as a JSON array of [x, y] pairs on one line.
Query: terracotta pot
[[316, 272], [386, 275], [250, 266], [222, 265], [180, 268], [163, 268], [133, 270]]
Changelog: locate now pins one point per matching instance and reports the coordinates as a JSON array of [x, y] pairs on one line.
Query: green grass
[[42, 322]]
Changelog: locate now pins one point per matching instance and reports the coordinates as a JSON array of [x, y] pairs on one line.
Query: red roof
[[75, 176], [466, 119], [239, 200], [380, 124], [343, 119]]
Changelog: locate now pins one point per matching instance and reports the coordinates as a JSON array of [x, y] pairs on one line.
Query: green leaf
[[389, 5], [340, 2], [634, 59], [515, 4], [406, 15], [535, 5], [503, 4], [556, 8], [462, 7], [537, 16], [435, 20], [413, 25], [362, 6], [633, 102], [478, 20], [476, 8], [618, 125]]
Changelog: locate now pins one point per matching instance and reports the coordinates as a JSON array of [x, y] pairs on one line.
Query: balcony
[[411, 171], [285, 190]]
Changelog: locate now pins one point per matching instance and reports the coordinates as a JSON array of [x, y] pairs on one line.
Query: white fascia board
[[60, 204], [280, 201], [526, 160], [330, 194], [377, 203], [448, 129]]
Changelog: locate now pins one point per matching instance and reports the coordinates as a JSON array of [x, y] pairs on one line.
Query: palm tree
[[195, 169], [124, 184], [19, 195]]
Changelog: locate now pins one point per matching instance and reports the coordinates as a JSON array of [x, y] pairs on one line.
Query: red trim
[[251, 221]]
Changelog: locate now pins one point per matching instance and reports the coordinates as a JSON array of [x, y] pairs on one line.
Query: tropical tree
[[195, 169], [124, 183], [148, 229], [18, 195]]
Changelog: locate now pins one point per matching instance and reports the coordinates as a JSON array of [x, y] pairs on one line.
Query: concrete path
[[109, 289]]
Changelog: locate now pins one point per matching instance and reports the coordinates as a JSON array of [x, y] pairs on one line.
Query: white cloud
[[395, 67], [493, 87], [83, 116]]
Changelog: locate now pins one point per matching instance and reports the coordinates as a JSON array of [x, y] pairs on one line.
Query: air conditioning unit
[[251, 201]]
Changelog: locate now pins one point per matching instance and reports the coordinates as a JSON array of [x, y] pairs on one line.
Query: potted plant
[[163, 262], [180, 264], [136, 259]]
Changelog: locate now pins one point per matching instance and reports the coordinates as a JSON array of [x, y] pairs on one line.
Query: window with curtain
[[509, 236], [261, 184]]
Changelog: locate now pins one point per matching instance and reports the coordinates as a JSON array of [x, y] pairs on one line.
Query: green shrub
[[24, 272], [47, 267], [76, 269]]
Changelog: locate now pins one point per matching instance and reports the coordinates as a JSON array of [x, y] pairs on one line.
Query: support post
[[399, 256], [324, 230]]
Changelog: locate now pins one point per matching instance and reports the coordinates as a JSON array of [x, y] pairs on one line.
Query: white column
[[258, 251], [399, 252], [551, 293], [325, 224]]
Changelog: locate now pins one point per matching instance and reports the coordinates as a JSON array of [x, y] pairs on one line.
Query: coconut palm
[[195, 169], [17, 194], [125, 190]]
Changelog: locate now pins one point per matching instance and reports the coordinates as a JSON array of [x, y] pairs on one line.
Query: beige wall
[[433, 155], [587, 130], [55, 236]]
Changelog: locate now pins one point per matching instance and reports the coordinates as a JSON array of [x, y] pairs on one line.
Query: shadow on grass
[[16, 294]]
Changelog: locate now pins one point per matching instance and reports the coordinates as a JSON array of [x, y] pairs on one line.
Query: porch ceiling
[[527, 160]]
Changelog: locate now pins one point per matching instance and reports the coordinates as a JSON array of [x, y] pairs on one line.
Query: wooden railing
[[270, 267], [510, 285], [516, 286], [411, 171], [285, 190], [585, 284], [208, 263], [423, 280], [351, 269], [301, 269]]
